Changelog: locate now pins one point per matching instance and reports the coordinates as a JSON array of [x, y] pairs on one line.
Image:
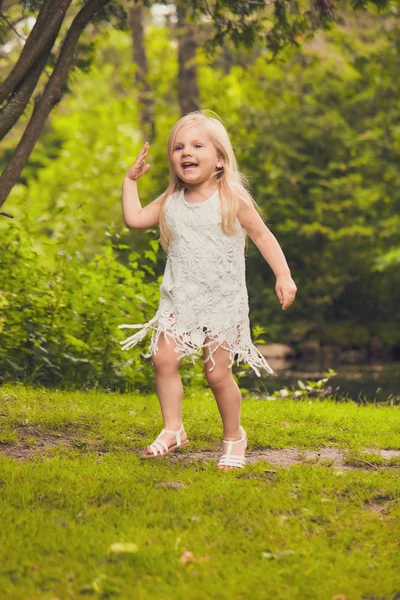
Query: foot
[[238, 449], [169, 439]]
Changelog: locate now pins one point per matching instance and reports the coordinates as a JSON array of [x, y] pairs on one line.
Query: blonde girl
[[204, 216]]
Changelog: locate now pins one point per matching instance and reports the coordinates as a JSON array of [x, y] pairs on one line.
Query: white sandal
[[160, 448], [231, 460]]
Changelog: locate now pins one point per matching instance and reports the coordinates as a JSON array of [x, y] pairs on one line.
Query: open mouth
[[189, 166]]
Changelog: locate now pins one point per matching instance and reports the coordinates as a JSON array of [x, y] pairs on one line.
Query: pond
[[364, 382]]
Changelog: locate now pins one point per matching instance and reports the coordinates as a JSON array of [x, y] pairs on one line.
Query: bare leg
[[169, 388], [228, 397]]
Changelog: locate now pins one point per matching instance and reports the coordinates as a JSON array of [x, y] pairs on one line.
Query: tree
[[279, 24], [144, 93], [21, 82], [188, 87], [318, 136]]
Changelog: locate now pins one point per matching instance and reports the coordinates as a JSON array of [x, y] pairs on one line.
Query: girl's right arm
[[135, 216]]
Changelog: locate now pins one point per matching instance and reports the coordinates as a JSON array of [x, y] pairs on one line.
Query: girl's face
[[194, 156]]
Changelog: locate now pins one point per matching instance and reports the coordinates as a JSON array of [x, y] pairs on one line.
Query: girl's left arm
[[270, 249]]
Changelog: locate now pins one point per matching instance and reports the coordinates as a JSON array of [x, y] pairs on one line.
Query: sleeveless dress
[[203, 295]]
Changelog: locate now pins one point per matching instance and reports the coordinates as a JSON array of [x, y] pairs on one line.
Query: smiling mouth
[[189, 166]]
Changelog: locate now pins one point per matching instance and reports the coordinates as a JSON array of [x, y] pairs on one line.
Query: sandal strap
[[172, 431], [157, 447], [232, 461], [176, 433], [243, 439], [234, 441], [228, 463], [233, 457]]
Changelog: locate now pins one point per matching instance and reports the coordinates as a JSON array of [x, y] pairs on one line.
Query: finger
[[287, 303], [143, 151], [146, 168]]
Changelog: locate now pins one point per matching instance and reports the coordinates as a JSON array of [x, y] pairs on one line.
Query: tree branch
[[11, 112], [46, 28], [49, 99], [12, 26]]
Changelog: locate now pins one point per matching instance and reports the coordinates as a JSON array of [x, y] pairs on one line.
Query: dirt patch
[[388, 454], [286, 457], [39, 444], [34, 443]]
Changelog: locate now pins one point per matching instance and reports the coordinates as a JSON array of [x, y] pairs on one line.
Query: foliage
[[95, 136], [60, 313], [310, 389], [318, 138]]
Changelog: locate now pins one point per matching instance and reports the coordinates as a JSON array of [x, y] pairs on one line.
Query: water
[[366, 382]]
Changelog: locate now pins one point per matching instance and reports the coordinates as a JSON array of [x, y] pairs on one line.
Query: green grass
[[302, 532]]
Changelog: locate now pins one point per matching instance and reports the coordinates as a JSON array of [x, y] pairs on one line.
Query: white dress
[[204, 299]]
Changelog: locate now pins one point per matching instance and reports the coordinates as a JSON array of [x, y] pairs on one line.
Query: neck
[[201, 190]]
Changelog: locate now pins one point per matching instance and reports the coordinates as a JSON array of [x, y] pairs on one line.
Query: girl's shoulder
[[172, 197]]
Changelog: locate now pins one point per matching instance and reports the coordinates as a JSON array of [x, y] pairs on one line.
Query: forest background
[[316, 131]]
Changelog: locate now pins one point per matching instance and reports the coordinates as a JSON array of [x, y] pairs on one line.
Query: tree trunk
[[188, 87], [144, 93], [11, 112], [45, 30], [49, 99]]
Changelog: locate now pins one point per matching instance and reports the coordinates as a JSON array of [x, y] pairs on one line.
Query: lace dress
[[203, 295]]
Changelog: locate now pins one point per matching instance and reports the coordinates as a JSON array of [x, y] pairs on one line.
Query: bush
[[60, 313]]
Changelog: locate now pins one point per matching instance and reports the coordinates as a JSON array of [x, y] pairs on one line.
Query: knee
[[218, 377], [165, 361]]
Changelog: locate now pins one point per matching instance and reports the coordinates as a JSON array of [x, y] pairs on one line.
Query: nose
[[186, 152]]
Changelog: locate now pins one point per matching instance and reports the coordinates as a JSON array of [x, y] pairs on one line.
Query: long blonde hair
[[232, 185]]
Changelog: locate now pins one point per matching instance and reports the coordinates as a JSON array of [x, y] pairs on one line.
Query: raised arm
[[135, 216]]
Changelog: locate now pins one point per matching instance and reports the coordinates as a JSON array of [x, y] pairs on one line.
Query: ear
[[220, 161]]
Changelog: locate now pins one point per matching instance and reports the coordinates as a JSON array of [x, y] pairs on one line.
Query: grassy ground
[[83, 517]]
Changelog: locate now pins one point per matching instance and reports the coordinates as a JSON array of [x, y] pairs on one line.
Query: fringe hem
[[191, 343]]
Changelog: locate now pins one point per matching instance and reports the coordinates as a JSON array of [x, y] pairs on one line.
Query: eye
[[197, 145], [178, 148]]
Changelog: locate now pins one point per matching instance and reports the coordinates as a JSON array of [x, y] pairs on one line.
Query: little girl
[[204, 216]]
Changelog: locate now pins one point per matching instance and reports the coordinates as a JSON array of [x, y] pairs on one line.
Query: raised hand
[[139, 167]]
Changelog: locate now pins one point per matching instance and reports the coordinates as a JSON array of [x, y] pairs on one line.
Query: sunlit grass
[[89, 519], [115, 421]]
